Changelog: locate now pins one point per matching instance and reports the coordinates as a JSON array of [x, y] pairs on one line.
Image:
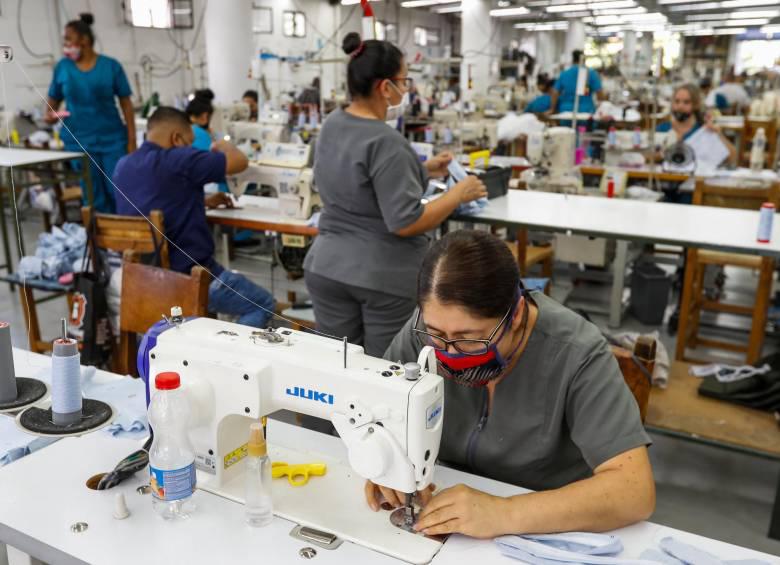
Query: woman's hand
[[709, 123], [463, 510], [437, 165], [376, 494], [470, 188]]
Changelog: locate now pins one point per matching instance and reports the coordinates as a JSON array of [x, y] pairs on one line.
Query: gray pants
[[366, 317]]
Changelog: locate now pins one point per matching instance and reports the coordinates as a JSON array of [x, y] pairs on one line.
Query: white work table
[[15, 157], [721, 229], [44, 494], [259, 213], [624, 220]]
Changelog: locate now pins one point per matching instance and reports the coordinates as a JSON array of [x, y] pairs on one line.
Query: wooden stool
[[694, 300], [529, 255]]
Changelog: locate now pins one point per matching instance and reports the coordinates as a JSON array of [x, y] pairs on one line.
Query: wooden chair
[[63, 193], [694, 300], [637, 368], [147, 294], [529, 255], [749, 131], [122, 233]]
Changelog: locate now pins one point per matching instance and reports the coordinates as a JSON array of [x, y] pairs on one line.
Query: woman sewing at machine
[[361, 269], [534, 397]]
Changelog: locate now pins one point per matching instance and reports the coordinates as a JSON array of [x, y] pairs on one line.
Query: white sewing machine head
[[390, 417], [552, 153]]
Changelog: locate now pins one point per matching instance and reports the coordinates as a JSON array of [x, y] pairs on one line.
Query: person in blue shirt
[[688, 117], [199, 110], [566, 86], [713, 98], [89, 83], [166, 173], [543, 102]]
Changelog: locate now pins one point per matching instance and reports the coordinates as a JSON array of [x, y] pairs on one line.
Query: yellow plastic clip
[[479, 158], [297, 475]]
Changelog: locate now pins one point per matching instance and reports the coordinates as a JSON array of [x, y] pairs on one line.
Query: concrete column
[[545, 51], [476, 47], [575, 38], [229, 49], [644, 58], [628, 55]]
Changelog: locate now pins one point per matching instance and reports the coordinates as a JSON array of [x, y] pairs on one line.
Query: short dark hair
[[472, 269], [83, 26], [369, 61], [250, 94], [198, 106], [168, 115], [576, 56]]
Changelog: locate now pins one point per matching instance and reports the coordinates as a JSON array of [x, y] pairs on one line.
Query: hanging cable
[[22, 40]]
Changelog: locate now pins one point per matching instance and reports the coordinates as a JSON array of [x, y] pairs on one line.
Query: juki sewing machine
[[388, 415], [552, 154]]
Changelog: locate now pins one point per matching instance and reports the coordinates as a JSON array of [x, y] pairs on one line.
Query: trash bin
[[650, 286]]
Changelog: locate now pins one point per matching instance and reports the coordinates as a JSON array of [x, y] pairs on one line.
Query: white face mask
[[396, 111]]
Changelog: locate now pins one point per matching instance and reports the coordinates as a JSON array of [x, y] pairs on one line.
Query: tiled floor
[[702, 489]]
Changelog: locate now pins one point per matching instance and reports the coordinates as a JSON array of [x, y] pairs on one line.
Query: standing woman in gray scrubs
[[362, 270]]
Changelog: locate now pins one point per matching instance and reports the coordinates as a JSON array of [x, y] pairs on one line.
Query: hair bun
[[87, 18], [351, 42]]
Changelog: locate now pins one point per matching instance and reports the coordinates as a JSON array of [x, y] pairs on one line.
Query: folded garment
[[127, 396], [566, 549], [687, 554]]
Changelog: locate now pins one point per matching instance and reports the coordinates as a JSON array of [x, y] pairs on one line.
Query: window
[[294, 24], [425, 36], [160, 14], [262, 20]]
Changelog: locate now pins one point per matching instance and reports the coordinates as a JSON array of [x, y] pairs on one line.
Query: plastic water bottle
[[171, 457], [259, 505], [757, 150], [612, 137]]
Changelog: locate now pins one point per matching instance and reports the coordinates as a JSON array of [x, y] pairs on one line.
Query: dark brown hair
[[472, 269], [369, 61], [83, 27]]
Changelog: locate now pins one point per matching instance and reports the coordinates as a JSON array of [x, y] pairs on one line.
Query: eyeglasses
[[465, 346], [408, 82]]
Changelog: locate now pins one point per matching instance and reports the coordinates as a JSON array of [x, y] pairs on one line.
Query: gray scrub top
[[562, 411], [371, 182]]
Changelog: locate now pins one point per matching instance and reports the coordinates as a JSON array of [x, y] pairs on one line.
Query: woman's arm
[[129, 114], [436, 211], [52, 106], [621, 492]]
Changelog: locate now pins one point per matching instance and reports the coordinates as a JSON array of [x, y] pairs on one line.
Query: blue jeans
[[239, 303]]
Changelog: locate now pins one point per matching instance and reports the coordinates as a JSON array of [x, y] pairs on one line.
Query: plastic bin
[[650, 286]]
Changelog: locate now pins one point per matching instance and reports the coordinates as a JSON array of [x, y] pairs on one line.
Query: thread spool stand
[[16, 393]]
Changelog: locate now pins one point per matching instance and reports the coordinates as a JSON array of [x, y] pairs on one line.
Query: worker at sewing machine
[[361, 270], [565, 87], [543, 102], [166, 173], [688, 116], [199, 110], [534, 397], [250, 98]]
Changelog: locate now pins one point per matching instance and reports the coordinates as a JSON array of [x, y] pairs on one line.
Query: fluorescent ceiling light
[[504, 3], [543, 26], [575, 14], [351, 2], [725, 4], [730, 31], [678, 1], [449, 9], [507, 12], [620, 12], [594, 6], [748, 22], [705, 17], [690, 7], [771, 29], [420, 3]]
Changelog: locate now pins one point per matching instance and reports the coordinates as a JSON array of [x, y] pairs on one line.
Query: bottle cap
[[256, 446], [167, 381]]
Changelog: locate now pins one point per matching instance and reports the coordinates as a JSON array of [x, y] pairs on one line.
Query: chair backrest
[[727, 194], [148, 293], [637, 368], [770, 130], [123, 233]]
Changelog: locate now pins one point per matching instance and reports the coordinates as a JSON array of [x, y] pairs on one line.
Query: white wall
[[42, 22]]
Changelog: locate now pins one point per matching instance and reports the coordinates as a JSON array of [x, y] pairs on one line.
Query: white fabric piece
[[583, 548], [512, 126], [628, 340], [728, 373]]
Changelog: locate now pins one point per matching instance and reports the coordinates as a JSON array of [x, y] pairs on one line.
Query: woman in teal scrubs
[[199, 110], [89, 83]]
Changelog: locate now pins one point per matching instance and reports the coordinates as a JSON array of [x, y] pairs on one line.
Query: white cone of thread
[[66, 382]]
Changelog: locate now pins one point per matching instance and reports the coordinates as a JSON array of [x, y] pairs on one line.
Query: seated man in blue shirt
[[167, 174], [543, 102], [566, 86]]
